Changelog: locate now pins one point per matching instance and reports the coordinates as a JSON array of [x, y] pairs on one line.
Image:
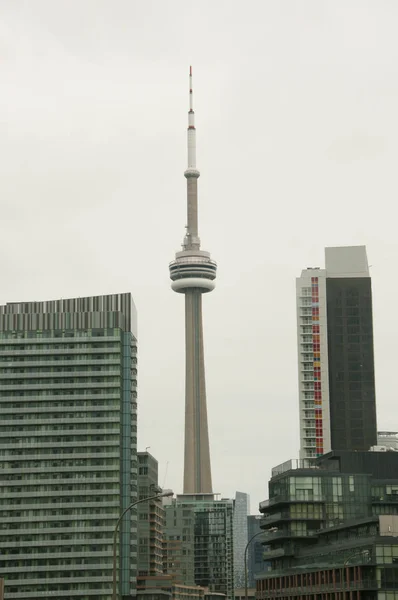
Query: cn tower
[[193, 274]]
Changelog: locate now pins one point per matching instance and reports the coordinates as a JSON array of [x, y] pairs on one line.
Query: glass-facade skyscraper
[[68, 440]]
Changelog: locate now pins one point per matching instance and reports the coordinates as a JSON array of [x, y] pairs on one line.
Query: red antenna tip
[[190, 70]]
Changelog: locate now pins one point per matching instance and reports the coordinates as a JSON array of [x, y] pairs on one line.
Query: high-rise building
[[193, 274], [199, 535], [151, 515], [335, 354], [68, 440], [241, 511]]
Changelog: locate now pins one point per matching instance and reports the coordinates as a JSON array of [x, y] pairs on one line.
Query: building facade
[[241, 511], [150, 518], [199, 536], [164, 587], [179, 542], [337, 401], [68, 440], [331, 528], [256, 565]]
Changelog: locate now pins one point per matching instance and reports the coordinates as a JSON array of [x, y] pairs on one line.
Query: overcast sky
[[296, 113]]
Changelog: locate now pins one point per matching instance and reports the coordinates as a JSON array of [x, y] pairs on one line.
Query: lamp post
[[272, 530], [163, 494], [354, 554], [347, 560]]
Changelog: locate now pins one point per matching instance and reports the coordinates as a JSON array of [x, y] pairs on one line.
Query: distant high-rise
[[335, 354], [68, 438], [193, 274], [151, 518], [199, 542], [179, 542], [241, 511]]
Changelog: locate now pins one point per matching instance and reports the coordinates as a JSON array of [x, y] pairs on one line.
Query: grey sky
[[296, 111]]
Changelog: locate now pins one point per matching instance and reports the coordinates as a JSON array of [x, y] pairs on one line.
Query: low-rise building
[[164, 587], [331, 528]]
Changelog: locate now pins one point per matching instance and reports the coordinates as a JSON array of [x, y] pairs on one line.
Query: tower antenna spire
[[191, 170]]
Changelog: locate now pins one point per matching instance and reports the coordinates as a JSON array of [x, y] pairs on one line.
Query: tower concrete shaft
[[197, 469], [193, 273]]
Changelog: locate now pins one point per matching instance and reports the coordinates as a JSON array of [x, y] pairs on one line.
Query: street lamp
[[271, 530], [354, 554], [163, 494]]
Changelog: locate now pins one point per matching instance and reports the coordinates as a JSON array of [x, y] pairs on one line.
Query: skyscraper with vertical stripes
[[337, 399], [68, 440]]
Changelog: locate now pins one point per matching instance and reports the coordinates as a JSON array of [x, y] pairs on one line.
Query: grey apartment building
[[68, 379]]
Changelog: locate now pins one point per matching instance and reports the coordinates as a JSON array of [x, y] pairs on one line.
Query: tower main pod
[[193, 273]]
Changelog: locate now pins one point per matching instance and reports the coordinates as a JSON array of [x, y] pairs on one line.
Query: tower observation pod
[[193, 273]]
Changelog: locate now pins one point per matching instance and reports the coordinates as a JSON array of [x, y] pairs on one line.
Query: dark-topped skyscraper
[[193, 274], [335, 352]]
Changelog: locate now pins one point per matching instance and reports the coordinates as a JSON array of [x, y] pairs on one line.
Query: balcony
[[274, 518], [286, 516], [385, 499], [269, 554], [286, 534], [284, 499], [293, 464]]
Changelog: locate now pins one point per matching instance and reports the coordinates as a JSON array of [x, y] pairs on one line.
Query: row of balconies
[[52, 398], [62, 376], [350, 586], [50, 410], [78, 339], [53, 424], [72, 362], [57, 351], [14, 445], [59, 385]]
